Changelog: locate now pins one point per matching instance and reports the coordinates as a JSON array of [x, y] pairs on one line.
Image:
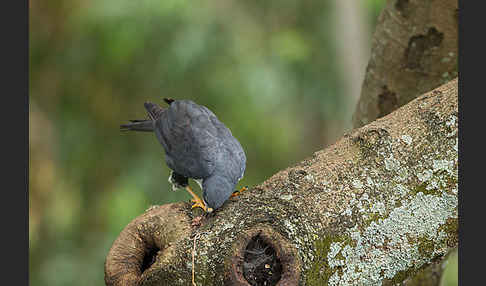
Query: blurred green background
[[282, 75]]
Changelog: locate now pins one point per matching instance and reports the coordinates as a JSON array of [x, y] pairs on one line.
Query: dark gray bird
[[197, 145]]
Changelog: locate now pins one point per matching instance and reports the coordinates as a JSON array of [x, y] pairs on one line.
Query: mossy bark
[[414, 49], [375, 208]]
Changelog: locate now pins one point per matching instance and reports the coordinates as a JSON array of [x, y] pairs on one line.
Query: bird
[[197, 146]]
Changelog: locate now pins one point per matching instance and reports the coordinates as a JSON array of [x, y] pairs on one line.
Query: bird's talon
[[198, 205], [196, 200], [238, 192]]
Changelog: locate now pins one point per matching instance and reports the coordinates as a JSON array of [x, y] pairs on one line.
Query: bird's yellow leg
[[197, 200], [238, 192]]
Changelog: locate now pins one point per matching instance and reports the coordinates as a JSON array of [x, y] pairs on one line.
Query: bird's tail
[[154, 111], [138, 125]]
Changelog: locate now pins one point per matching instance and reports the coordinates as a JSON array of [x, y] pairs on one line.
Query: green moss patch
[[320, 272]]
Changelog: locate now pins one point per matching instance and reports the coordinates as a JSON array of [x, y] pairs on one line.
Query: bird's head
[[216, 190]]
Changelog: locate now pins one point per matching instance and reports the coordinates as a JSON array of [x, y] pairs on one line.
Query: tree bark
[[374, 208], [414, 50]]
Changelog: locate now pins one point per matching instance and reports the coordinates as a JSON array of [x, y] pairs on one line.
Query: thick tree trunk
[[414, 49], [374, 208]]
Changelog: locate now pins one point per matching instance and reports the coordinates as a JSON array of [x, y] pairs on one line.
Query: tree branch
[[376, 207], [414, 50]]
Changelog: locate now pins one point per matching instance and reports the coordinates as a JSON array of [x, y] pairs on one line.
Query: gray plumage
[[197, 145]]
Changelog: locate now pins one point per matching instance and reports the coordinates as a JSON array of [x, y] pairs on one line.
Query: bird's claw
[[238, 192], [198, 204]]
